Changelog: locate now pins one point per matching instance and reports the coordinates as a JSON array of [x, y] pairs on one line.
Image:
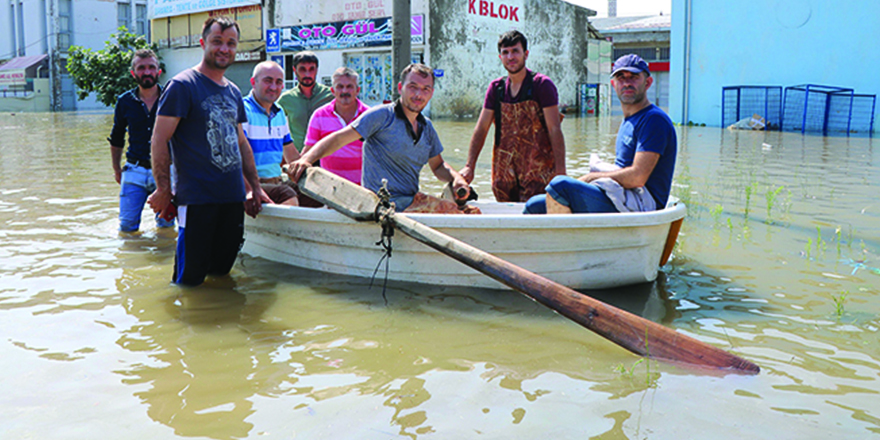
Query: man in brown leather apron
[[529, 148]]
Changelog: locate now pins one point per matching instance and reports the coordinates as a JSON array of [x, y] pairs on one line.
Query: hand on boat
[[253, 204], [296, 168]]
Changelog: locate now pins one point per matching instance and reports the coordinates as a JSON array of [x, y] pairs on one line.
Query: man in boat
[[334, 116], [529, 148], [398, 142], [301, 101], [641, 177], [199, 127], [267, 133], [136, 113]]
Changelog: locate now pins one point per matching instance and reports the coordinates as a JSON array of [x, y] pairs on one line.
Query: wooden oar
[[636, 334]]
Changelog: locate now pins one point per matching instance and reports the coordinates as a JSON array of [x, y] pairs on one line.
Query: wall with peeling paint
[[464, 44]]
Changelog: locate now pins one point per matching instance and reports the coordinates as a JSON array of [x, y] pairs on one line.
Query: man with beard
[[334, 116], [267, 133], [641, 176], [136, 113], [529, 148], [301, 101], [398, 142], [199, 118]]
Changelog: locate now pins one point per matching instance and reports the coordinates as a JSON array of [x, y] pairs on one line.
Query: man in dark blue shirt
[[136, 113], [641, 177]]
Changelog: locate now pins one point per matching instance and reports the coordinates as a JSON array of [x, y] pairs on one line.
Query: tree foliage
[[106, 72]]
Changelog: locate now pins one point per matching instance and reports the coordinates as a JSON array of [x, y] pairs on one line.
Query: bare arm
[[557, 141], [291, 154], [254, 204], [116, 157], [323, 148], [161, 159], [487, 117], [634, 176], [445, 173]]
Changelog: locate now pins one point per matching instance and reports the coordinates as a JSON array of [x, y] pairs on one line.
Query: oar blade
[[338, 193], [636, 334]]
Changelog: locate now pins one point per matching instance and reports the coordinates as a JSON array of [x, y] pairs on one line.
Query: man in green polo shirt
[[301, 101]]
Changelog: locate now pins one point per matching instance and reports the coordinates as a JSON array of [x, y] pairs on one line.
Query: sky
[[626, 8]]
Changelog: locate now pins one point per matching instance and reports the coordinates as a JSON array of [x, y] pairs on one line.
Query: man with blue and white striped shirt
[[268, 133]]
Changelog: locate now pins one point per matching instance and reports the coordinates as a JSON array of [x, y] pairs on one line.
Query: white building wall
[[92, 22]]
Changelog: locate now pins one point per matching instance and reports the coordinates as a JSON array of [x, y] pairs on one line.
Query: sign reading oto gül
[[493, 9], [346, 34]]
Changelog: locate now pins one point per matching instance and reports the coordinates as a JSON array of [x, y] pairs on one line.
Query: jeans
[[137, 185], [581, 197]]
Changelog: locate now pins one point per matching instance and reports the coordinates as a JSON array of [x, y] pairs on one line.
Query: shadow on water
[[272, 330]]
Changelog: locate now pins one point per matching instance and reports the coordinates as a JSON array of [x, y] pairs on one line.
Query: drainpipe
[[687, 63]]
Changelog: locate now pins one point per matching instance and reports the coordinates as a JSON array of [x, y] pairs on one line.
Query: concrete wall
[[464, 45], [773, 42], [36, 101]]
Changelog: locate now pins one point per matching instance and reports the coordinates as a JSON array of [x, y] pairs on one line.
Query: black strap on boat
[[384, 211]]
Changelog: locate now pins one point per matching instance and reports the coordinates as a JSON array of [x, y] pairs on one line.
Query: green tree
[[106, 72]]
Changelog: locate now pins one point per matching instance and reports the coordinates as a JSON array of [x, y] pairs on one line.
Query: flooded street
[[778, 261]]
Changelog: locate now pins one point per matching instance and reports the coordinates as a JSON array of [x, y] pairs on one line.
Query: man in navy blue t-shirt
[[646, 150], [199, 121]]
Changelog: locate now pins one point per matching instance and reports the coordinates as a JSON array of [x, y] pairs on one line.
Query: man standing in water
[[398, 142], [136, 111], [529, 148], [646, 151], [199, 118]]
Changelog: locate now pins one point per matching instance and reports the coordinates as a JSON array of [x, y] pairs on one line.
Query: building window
[[64, 40], [647, 53], [123, 15], [142, 25]]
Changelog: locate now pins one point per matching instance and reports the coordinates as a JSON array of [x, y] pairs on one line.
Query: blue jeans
[[137, 185], [580, 197]]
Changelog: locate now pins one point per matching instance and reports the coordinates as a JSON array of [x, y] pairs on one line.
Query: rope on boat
[[384, 211]]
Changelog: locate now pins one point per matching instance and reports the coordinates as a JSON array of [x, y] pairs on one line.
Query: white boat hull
[[587, 251]]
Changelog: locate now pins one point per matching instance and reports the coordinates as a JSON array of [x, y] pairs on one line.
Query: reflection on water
[[778, 261]]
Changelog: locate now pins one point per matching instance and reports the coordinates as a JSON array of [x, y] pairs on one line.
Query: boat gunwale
[[674, 211]]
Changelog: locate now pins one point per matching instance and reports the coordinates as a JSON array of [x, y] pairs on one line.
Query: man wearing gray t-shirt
[[398, 142]]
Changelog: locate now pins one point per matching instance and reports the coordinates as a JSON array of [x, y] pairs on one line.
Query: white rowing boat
[[586, 251]]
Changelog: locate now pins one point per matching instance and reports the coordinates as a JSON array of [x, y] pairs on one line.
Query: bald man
[[267, 131]]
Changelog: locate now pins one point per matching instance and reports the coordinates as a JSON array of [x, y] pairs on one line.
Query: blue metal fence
[[739, 102], [828, 110]]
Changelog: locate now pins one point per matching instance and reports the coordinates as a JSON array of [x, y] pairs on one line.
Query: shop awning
[[21, 63]]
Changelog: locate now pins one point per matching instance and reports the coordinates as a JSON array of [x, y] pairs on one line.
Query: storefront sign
[[170, 8], [493, 9], [346, 34], [13, 77]]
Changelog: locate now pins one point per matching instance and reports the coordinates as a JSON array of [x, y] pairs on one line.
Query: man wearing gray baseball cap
[[641, 176]]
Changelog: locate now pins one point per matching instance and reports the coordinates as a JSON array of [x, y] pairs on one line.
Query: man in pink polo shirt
[[334, 116]]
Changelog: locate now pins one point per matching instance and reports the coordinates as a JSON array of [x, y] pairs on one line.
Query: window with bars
[[123, 15], [141, 24], [647, 53], [64, 13]]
